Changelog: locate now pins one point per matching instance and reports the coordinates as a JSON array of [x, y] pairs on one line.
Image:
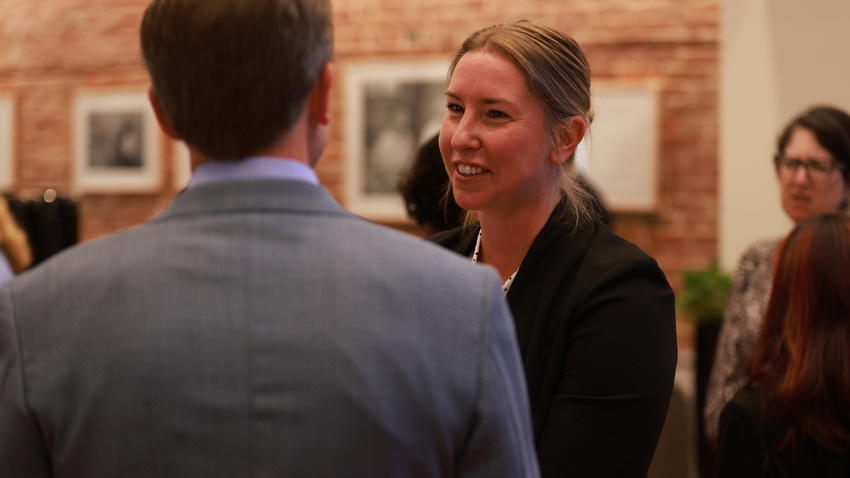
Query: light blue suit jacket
[[256, 329]]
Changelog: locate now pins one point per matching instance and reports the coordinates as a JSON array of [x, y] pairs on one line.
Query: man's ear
[[569, 135], [160, 116], [320, 98]]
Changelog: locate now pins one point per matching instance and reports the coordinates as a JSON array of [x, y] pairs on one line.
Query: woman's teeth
[[466, 170]]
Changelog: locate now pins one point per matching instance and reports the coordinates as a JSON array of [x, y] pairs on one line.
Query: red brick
[[51, 49]]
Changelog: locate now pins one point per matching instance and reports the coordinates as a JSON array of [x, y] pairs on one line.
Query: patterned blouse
[[742, 319]]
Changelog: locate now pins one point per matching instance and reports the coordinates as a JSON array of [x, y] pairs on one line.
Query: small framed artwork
[[115, 136], [391, 108], [7, 141], [620, 153]]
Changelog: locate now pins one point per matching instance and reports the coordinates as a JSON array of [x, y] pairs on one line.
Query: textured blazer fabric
[[256, 329], [595, 322]]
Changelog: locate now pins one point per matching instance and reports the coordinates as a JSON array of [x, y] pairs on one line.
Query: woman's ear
[[568, 137]]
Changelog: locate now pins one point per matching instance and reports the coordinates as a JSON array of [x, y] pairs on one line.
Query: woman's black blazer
[[596, 328]]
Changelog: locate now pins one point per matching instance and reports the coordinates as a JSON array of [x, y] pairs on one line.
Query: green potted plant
[[704, 294], [703, 300]]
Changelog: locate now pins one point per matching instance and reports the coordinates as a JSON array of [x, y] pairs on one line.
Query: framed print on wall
[[391, 109], [7, 141], [116, 147], [620, 153]]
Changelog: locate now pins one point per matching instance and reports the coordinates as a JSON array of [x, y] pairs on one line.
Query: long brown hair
[[801, 363]]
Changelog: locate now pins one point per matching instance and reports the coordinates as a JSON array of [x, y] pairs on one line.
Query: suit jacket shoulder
[[256, 328]]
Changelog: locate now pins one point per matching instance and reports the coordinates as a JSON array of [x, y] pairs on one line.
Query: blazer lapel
[[549, 267]]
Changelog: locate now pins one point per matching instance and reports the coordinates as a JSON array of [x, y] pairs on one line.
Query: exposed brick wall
[[49, 50], [672, 42]]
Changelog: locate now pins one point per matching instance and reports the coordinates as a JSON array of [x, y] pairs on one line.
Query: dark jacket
[[750, 439], [596, 328]]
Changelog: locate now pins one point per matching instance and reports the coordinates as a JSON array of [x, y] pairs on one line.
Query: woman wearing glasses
[[813, 168]]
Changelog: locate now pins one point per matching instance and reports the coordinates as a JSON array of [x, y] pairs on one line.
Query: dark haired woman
[[812, 164], [793, 420], [424, 191]]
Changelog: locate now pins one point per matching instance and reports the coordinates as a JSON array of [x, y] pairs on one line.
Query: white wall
[[777, 58]]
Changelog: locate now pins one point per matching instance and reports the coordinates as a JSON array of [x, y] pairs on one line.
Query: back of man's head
[[232, 76]]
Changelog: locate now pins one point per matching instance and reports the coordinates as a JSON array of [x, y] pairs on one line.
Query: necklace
[[509, 280]]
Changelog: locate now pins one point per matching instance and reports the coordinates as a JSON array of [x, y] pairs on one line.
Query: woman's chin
[[468, 202]]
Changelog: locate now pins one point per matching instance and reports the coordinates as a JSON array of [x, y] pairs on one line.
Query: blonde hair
[[558, 75], [13, 240]]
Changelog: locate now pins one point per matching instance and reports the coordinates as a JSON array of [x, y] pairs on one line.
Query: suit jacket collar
[[253, 195]]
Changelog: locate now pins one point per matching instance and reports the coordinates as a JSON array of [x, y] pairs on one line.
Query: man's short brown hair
[[231, 76]]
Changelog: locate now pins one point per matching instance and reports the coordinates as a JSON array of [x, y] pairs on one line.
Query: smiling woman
[[492, 128], [593, 314]]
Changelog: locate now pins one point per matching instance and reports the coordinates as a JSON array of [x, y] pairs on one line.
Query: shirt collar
[[256, 167]]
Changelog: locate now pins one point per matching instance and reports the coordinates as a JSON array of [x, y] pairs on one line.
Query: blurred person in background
[[792, 419], [15, 252], [424, 189], [812, 164]]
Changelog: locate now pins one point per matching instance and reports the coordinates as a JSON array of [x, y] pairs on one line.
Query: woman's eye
[[454, 108], [496, 114]]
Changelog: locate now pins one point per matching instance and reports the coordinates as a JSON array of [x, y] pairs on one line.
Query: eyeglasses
[[818, 170]]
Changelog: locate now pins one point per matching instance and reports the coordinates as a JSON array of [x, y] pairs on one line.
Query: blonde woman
[[593, 313]]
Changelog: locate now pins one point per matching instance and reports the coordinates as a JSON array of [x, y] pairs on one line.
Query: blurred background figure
[[50, 221], [812, 164], [424, 189], [15, 252], [793, 417]]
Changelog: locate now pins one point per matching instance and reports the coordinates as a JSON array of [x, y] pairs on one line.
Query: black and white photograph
[[116, 140], [392, 109], [6, 141], [115, 143]]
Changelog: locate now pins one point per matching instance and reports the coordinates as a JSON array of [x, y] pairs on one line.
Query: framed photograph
[[391, 108], [115, 137], [620, 153], [7, 141]]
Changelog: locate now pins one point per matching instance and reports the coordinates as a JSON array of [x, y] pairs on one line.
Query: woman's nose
[[801, 174], [465, 136]]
